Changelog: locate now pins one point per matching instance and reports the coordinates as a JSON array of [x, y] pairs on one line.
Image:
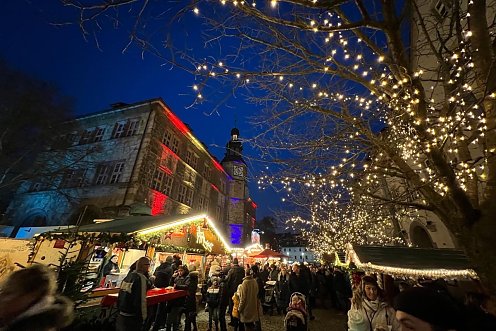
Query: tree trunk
[[478, 243]]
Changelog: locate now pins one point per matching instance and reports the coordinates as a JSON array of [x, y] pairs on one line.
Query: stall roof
[[136, 224], [147, 224], [412, 261]]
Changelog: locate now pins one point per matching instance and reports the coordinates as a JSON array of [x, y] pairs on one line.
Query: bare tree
[[329, 75]]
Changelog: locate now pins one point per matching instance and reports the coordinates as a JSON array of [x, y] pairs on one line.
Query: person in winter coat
[[215, 268], [213, 300], [190, 303], [233, 280], [249, 304], [282, 290], [163, 277], [163, 273], [238, 326], [181, 282], [223, 304], [111, 266], [369, 312], [28, 301], [131, 301]]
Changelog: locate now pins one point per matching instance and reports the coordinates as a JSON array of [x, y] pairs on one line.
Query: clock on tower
[[238, 171]]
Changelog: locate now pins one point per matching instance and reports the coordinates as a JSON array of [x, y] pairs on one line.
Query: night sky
[[96, 78]]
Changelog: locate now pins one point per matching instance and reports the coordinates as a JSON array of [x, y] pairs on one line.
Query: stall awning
[[142, 225], [412, 262]]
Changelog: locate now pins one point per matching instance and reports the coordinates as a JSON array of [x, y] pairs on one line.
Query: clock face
[[238, 171]]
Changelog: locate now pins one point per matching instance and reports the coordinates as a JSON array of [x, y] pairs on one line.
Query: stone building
[[136, 159]]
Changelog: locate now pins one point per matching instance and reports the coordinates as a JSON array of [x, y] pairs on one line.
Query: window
[[132, 127], [189, 176], [441, 8], [191, 158], [101, 174], [118, 129], [170, 140], [167, 138], [158, 178], [73, 178], [202, 203], [117, 172], [167, 185], [99, 132], [218, 213], [86, 137], [206, 171], [109, 172], [185, 195], [168, 161], [161, 182]]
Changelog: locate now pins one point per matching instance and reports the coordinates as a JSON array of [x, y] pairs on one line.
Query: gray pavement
[[325, 320]]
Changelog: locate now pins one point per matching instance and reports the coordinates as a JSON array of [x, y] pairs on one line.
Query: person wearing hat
[[423, 309], [369, 311]]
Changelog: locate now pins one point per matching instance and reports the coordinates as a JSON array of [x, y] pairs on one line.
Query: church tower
[[241, 208]]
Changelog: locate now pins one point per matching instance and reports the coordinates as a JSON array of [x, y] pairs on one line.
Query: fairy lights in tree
[[348, 106]]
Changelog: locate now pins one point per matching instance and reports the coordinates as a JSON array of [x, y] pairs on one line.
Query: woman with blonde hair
[[28, 301], [369, 311]]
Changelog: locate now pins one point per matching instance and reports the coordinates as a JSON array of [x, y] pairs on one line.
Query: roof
[[148, 224], [435, 263], [134, 224]]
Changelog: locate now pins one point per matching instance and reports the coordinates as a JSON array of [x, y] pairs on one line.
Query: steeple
[[234, 148]]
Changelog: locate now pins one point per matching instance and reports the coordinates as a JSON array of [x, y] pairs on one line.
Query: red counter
[[153, 296]]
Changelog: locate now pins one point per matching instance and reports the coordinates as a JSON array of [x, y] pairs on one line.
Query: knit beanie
[[430, 306]]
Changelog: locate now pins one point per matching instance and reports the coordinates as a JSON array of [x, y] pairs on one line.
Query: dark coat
[[190, 301], [163, 275], [299, 283], [107, 268], [234, 278], [56, 315], [282, 291]]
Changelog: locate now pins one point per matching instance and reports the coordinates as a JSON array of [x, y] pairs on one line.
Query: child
[[238, 326], [213, 300], [298, 304]]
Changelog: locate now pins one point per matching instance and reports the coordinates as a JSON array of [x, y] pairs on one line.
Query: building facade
[[299, 254], [133, 159]]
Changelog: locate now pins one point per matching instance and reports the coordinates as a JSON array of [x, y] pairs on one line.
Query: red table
[[153, 297]]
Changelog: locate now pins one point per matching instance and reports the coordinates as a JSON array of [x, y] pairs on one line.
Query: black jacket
[[234, 278], [163, 275], [190, 301], [132, 295], [298, 283]]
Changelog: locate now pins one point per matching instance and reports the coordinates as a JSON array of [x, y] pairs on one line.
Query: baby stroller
[[296, 318], [269, 303]]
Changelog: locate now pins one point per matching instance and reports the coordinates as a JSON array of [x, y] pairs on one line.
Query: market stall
[[409, 262], [190, 237]]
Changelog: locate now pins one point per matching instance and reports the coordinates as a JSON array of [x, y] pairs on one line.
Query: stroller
[[296, 318], [269, 302]]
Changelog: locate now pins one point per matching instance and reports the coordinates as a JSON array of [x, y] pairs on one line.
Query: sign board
[[13, 251]]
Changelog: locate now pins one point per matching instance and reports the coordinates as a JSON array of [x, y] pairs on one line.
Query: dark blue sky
[[96, 78]]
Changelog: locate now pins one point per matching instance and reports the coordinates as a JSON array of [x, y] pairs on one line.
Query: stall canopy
[[268, 253], [411, 262], [180, 230]]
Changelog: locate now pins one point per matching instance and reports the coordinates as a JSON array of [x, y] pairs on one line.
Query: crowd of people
[[29, 299]]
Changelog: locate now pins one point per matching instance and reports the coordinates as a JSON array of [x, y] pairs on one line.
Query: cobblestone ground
[[325, 320]]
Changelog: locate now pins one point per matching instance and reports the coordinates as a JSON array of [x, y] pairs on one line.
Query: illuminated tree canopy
[[388, 102]]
